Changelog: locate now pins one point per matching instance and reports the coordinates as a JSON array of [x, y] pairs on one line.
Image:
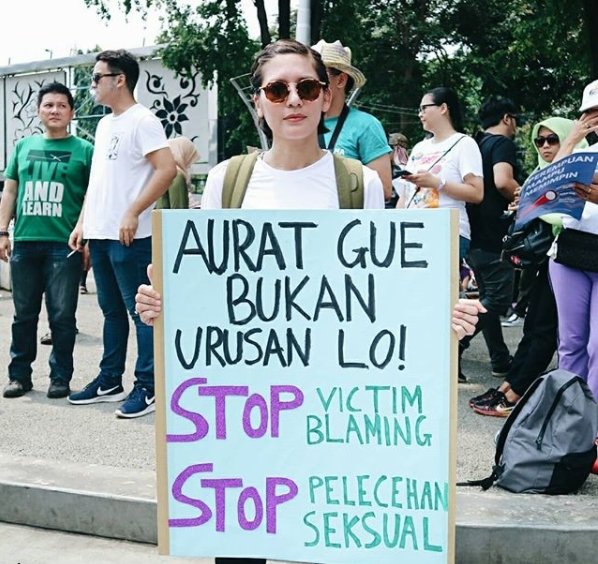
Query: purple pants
[[576, 294]]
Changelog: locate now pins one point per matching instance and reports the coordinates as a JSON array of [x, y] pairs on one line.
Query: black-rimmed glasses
[[423, 107], [97, 76]]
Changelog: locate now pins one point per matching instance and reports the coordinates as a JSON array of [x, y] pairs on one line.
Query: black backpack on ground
[[547, 444]]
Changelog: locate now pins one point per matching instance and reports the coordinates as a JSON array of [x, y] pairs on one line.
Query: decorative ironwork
[[171, 112], [24, 109]]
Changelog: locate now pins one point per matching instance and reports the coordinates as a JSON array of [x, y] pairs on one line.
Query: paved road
[[37, 427]]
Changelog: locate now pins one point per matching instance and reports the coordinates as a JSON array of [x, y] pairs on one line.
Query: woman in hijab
[[539, 341], [185, 154]]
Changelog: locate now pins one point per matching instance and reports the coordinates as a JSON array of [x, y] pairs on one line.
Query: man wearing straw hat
[[351, 132]]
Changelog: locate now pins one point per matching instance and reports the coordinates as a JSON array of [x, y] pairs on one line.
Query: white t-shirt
[[464, 158], [120, 171], [312, 187], [589, 218]]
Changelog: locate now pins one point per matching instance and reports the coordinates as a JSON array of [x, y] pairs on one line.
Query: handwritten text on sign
[[307, 384]]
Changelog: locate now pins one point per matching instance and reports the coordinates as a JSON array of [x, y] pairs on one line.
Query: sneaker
[[487, 397], [513, 321], [83, 289], [97, 392], [140, 402], [46, 339], [58, 389], [500, 407], [16, 389]]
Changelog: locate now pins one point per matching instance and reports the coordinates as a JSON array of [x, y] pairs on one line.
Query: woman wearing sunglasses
[[291, 94], [538, 343], [446, 167], [546, 137]]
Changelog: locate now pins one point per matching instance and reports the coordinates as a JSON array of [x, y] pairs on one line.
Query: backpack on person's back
[[547, 444]]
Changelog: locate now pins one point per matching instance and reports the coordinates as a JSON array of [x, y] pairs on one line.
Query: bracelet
[[441, 183], [4, 234]]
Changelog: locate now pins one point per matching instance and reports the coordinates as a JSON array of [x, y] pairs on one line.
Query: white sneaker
[[513, 321]]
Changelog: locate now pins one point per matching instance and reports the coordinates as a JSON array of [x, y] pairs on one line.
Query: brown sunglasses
[[278, 91]]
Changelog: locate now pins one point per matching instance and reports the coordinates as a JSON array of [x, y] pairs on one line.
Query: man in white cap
[[351, 132]]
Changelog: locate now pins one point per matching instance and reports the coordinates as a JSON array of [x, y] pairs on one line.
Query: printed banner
[[306, 377], [550, 189]]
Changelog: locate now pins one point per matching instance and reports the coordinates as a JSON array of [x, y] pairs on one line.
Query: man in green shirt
[[46, 181]]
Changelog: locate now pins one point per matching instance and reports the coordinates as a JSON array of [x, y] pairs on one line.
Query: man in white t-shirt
[[131, 168]]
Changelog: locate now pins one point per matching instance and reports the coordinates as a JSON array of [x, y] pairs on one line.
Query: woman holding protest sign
[[291, 94]]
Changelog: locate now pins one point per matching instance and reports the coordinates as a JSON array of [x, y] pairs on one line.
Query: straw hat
[[338, 57]]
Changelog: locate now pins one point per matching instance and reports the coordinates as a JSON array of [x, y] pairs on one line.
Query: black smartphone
[[592, 138], [402, 172]]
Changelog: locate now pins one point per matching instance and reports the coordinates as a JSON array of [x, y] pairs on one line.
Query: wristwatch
[[4, 234]]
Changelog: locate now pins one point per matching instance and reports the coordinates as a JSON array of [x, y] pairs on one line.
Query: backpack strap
[[349, 182], [348, 173], [236, 178], [486, 483], [337, 130]]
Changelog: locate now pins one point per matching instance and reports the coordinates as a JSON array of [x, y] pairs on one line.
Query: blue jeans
[[37, 267], [118, 272], [463, 248]]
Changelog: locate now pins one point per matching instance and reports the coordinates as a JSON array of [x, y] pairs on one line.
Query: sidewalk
[[30, 545], [96, 461]]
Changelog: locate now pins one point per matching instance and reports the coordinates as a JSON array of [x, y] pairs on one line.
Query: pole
[[303, 22]]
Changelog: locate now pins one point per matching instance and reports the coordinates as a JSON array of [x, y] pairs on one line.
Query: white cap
[[590, 97]]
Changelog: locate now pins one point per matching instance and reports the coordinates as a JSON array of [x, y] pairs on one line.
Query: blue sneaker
[[140, 402], [97, 391]]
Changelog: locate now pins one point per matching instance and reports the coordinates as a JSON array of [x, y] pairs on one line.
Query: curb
[[492, 527], [103, 501]]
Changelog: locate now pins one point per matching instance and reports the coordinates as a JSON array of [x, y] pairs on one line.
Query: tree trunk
[[284, 19], [262, 18], [591, 18], [315, 14]]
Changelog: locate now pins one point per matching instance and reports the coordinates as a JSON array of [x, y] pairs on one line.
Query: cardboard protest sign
[[306, 384], [550, 189]]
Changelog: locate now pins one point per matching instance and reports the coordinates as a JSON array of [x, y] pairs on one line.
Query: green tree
[[393, 42], [536, 52], [539, 52], [212, 40]]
